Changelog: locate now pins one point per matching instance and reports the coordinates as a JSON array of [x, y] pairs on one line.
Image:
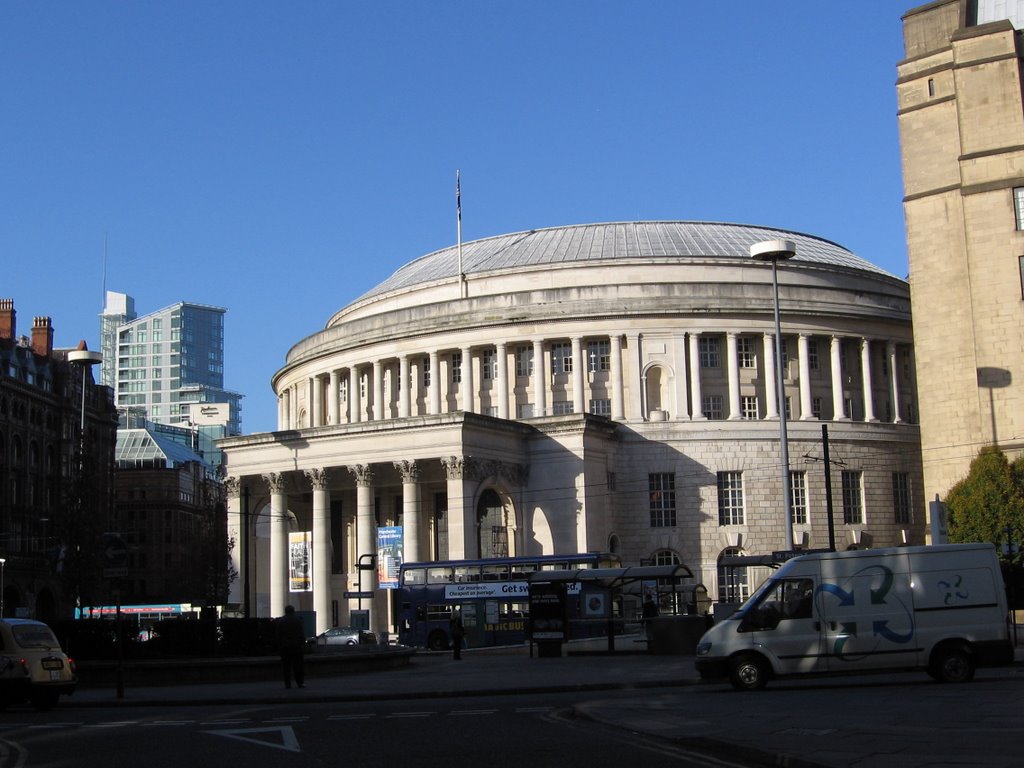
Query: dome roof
[[643, 240]]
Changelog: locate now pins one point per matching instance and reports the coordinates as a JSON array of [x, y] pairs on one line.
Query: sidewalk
[[901, 719]]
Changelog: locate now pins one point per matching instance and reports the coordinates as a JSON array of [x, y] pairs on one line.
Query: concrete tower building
[[961, 120]]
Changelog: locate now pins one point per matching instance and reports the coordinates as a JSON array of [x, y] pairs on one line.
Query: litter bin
[[675, 634]]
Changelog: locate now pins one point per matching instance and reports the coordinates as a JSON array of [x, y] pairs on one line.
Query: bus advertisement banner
[[300, 561], [389, 556], [507, 589]]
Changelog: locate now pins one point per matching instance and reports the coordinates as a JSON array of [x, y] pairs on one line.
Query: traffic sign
[[359, 595]]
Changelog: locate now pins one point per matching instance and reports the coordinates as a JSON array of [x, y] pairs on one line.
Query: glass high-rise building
[[168, 364]]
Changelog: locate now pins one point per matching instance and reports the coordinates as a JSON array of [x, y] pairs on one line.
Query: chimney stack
[[42, 336], [8, 326]]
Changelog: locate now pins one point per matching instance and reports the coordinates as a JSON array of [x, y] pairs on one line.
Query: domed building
[[593, 388]]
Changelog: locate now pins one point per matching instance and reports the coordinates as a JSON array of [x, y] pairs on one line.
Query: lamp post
[[776, 251], [3, 567]]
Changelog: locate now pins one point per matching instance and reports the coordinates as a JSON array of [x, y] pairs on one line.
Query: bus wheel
[[437, 641], [748, 673]]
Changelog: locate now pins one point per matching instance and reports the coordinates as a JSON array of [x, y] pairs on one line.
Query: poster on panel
[[389, 555], [300, 561]]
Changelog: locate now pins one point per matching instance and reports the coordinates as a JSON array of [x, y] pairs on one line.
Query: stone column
[[434, 393], [316, 412], [236, 532], [366, 531], [502, 355], [404, 386], [838, 404], [579, 404], [322, 595], [804, 353], [637, 392], [771, 396], [461, 526], [411, 509], [540, 382], [284, 407], [618, 381], [279, 529], [865, 369], [733, 372], [334, 398], [468, 389], [890, 349], [378, 390], [696, 404], [355, 395]]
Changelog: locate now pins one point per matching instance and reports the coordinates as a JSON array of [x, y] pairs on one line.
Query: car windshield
[[34, 636]]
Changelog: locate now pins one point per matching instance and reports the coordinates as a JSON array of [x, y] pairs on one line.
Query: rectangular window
[[748, 407], [712, 407], [491, 410], [599, 356], [561, 358], [561, 408], [816, 407], [813, 360], [524, 411], [710, 352], [798, 497], [853, 505], [745, 352], [489, 364], [901, 498], [662, 499], [1020, 266], [601, 407], [425, 365], [730, 498], [456, 367], [524, 361], [1018, 206]]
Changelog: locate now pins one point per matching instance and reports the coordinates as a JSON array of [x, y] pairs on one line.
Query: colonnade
[[432, 382]]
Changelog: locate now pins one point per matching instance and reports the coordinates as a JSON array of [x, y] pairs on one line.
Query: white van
[[939, 608]]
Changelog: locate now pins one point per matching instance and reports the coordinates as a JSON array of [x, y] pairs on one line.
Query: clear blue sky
[[280, 159]]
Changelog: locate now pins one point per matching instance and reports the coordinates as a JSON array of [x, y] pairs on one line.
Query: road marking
[[288, 741], [529, 710], [113, 724], [470, 712], [409, 714], [297, 719], [236, 721], [171, 722], [351, 717]]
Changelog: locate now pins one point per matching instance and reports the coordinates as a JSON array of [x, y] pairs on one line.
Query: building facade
[[57, 435], [167, 364], [961, 120], [171, 517], [593, 388]]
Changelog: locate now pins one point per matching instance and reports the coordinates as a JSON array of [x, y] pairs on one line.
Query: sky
[[280, 159]]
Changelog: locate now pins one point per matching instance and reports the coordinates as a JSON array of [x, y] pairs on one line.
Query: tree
[[989, 500]]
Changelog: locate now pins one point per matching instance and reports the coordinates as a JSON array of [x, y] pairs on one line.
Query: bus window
[[523, 568], [465, 573], [414, 576], [439, 575], [494, 573]]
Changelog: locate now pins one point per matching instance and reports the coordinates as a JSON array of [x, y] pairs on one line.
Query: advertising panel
[[389, 555], [300, 561]]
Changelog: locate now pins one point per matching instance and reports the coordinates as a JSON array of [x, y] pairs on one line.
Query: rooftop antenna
[[103, 287]]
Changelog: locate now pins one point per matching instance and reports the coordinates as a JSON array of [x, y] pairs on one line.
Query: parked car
[[344, 636], [32, 665]]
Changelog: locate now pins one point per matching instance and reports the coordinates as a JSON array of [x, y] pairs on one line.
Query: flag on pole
[[458, 196]]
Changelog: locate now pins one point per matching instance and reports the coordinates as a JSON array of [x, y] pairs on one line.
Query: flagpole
[[458, 213]]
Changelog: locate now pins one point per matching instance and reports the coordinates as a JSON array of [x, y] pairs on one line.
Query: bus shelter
[[588, 602]]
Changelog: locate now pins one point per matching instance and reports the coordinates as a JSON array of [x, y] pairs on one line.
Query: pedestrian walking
[[291, 644], [458, 632]]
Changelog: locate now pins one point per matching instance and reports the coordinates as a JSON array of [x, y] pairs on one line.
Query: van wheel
[[437, 641], [952, 664], [748, 673]]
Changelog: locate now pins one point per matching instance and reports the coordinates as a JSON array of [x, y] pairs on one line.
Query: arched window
[[733, 580], [491, 525], [614, 545]]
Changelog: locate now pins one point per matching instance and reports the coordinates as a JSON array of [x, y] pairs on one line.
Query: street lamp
[[3, 567], [85, 358], [776, 251]]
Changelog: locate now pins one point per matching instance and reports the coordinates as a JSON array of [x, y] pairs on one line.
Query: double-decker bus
[[492, 594]]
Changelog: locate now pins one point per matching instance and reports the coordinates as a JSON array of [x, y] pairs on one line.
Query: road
[[490, 732]]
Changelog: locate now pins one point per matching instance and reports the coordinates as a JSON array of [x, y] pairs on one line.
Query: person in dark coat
[[458, 632], [291, 643]]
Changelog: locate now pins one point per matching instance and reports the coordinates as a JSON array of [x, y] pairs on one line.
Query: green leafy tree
[[989, 500]]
